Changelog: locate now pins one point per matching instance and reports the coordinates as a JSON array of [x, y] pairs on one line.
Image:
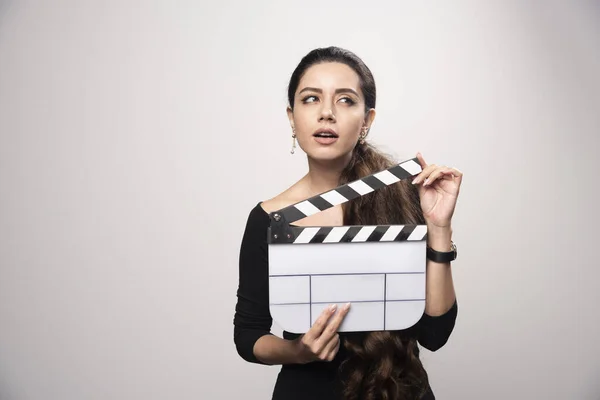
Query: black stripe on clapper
[[348, 192], [320, 203], [373, 182], [351, 233], [377, 234], [405, 233], [400, 172], [321, 234], [292, 214]]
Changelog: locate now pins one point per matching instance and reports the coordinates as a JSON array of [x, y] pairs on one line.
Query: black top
[[252, 320]]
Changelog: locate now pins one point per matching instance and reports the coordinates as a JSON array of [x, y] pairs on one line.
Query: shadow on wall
[[5, 7]]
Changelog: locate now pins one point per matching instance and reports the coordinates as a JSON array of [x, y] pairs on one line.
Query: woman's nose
[[327, 113]]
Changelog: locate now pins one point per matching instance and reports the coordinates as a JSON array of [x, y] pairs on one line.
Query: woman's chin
[[328, 154]]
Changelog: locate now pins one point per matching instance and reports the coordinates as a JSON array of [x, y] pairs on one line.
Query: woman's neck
[[324, 175]]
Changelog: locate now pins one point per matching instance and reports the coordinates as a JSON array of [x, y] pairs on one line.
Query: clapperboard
[[379, 269]]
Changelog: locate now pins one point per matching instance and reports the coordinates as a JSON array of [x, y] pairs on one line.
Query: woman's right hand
[[322, 341]]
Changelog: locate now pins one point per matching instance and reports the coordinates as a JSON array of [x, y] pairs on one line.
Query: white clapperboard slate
[[379, 269]]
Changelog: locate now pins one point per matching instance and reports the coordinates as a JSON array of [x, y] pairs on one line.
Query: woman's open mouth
[[325, 136]]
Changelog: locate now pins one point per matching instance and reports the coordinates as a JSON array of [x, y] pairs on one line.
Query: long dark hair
[[380, 365]]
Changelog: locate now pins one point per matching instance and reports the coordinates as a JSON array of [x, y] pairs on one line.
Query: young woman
[[331, 98]]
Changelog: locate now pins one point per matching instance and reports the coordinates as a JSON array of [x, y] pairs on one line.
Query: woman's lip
[[325, 140], [330, 131]]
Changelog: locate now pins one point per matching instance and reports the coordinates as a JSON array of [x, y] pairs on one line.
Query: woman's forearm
[[440, 287], [273, 350]]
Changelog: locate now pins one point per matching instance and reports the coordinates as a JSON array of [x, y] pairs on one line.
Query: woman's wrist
[[271, 349], [439, 238], [298, 351]]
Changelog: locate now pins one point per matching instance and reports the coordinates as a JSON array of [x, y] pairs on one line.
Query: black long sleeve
[[252, 318], [433, 332]]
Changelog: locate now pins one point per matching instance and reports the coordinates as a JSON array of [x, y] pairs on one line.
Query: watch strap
[[442, 257]]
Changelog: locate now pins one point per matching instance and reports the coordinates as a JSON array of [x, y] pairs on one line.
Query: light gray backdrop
[[135, 137]]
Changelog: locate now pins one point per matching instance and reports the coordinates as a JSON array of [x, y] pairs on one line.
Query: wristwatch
[[442, 257]]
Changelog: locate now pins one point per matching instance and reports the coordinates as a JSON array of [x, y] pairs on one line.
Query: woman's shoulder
[[292, 195], [259, 214], [276, 203]]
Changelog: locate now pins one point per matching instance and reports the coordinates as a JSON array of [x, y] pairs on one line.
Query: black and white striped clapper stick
[[380, 270]]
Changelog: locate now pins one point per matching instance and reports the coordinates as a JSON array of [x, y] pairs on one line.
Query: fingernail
[[346, 306], [332, 307], [415, 181], [426, 182]]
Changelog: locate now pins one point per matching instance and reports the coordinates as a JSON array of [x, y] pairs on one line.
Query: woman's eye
[[312, 99]]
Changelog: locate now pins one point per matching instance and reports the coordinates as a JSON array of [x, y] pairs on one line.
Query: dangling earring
[[363, 136], [293, 143]]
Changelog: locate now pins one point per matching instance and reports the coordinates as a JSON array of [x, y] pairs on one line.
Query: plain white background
[[135, 137]]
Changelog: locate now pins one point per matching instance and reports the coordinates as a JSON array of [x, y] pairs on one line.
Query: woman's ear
[[369, 118], [290, 114]]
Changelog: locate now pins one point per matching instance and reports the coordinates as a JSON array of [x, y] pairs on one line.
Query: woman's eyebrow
[[341, 90]]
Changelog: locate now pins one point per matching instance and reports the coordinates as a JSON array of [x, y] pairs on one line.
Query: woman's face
[[329, 111]]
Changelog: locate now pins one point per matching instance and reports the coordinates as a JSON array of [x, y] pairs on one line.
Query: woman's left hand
[[438, 190]]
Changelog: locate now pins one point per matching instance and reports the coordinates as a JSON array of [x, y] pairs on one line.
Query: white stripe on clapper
[[411, 166], [418, 233], [307, 208], [386, 177], [364, 234], [336, 234], [391, 233], [334, 197], [360, 187], [306, 235]]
